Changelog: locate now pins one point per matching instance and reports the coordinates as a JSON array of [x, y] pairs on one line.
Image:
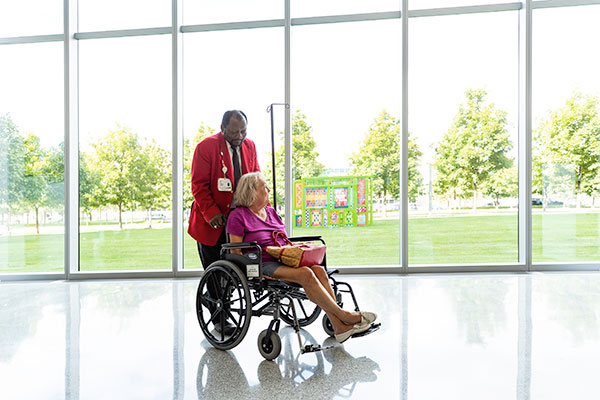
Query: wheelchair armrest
[[306, 238], [241, 245]]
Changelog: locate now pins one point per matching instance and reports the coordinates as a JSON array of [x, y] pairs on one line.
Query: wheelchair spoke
[[236, 322], [207, 299], [303, 309], [213, 317]]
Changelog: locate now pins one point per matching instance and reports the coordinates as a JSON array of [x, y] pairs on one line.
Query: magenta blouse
[[243, 222]]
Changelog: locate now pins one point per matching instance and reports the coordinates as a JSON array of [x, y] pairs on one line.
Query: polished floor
[[483, 336]]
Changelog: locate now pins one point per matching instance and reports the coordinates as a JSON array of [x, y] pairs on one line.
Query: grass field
[[448, 240]]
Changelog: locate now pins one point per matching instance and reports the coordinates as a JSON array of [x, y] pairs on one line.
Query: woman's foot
[[362, 317], [367, 317], [357, 328]]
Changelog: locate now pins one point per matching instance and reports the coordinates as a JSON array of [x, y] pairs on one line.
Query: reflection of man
[[218, 163]]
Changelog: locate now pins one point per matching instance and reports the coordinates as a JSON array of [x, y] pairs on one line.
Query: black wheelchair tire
[[327, 326], [269, 347], [304, 318], [223, 270]]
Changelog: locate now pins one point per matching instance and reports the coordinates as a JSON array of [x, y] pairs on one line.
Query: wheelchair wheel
[[269, 347], [223, 294], [327, 326], [306, 311]]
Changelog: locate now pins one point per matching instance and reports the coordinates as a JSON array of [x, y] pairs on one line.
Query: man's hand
[[217, 221]]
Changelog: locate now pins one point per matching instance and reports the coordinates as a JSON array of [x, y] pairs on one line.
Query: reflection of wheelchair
[[240, 292]]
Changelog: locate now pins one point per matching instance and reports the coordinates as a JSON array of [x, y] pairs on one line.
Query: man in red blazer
[[218, 161]]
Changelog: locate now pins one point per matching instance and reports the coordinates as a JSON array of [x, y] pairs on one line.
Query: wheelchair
[[239, 292]]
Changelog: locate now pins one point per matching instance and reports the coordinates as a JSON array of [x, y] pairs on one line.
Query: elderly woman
[[254, 220]]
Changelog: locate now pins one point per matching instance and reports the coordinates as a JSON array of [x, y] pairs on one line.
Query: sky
[[342, 75]]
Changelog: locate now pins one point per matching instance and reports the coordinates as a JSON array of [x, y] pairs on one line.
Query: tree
[[379, 156], [189, 146], [304, 156], [34, 184], [53, 171], [114, 161], [152, 176], [570, 137], [474, 147], [502, 183], [12, 171]]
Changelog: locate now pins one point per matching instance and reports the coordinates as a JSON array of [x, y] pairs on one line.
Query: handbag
[[296, 254]]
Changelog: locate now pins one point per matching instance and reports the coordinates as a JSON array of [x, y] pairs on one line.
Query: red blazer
[[207, 167]]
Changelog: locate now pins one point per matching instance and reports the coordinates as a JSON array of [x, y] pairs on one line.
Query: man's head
[[233, 127]]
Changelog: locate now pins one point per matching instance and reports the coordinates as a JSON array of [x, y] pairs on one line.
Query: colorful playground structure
[[333, 201]]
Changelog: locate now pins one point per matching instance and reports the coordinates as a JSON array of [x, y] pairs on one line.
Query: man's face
[[235, 131]]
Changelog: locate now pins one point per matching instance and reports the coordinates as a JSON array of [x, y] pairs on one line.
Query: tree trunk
[[37, 220], [475, 201], [150, 218], [120, 216]]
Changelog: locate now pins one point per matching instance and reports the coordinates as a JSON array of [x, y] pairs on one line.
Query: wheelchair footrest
[[374, 327], [310, 348]]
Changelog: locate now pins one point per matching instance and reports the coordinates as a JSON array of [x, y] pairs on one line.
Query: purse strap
[[276, 234]]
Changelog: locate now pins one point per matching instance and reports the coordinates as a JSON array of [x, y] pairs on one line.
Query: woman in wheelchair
[[254, 220]]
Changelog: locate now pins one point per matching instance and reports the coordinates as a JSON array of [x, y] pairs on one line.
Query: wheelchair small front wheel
[[269, 347], [223, 296], [328, 326]]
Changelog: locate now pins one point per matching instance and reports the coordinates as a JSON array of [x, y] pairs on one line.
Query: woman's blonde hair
[[245, 191]]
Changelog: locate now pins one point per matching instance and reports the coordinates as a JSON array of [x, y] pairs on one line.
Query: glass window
[[31, 17], [346, 107], [463, 139], [566, 134], [211, 11], [104, 15], [31, 158], [313, 8], [241, 69], [125, 147]]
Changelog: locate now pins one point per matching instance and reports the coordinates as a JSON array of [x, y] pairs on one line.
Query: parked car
[[158, 215], [536, 201]]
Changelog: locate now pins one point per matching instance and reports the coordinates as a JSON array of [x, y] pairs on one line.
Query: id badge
[[224, 185]]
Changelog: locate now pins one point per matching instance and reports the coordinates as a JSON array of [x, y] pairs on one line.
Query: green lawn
[[457, 239]]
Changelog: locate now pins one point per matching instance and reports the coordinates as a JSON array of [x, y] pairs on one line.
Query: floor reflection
[[328, 374], [530, 336]]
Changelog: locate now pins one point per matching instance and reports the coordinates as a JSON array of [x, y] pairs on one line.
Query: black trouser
[[208, 255]]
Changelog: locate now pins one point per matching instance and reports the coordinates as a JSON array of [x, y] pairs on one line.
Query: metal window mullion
[[525, 138], [123, 33], [32, 39], [177, 136], [288, 118], [71, 139], [404, 141], [562, 3], [332, 19], [228, 26], [478, 9]]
